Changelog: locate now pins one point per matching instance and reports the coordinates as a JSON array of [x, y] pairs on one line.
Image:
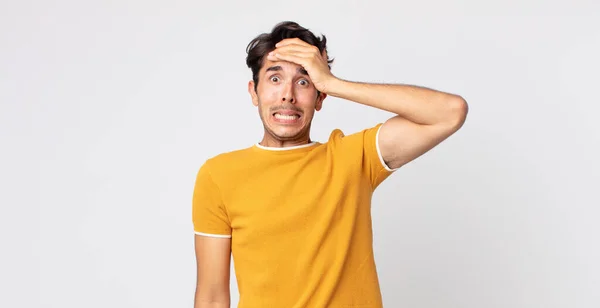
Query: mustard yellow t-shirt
[[299, 219]]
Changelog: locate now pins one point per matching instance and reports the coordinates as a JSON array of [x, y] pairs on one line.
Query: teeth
[[286, 117]]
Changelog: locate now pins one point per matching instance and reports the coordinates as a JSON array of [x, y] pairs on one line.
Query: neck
[[274, 142]]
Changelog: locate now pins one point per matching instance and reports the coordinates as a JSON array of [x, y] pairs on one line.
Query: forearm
[[416, 104], [211, 301], [199, 303]]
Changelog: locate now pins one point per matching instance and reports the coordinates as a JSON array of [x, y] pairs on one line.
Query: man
[[295, 213]]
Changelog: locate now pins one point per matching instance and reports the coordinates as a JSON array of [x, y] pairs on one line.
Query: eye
[[274, 78], [303, 82]]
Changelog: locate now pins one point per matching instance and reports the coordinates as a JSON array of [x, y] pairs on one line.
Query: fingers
[[297, 48], [273, 56], [289, 41], [289, 57], [298, 51], [300, 43]]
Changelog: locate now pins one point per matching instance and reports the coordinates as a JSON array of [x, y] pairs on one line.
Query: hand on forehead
[[297, 41]]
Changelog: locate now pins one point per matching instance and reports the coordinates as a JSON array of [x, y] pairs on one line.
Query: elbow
[[458, 112]]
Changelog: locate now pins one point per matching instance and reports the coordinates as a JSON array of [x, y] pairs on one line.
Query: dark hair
[[265, 43]]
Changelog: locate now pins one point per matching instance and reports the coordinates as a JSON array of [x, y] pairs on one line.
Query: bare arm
[[213, 257], [425, 117]]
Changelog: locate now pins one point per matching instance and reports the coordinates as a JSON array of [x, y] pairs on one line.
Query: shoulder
[[337, 136], [231, 156], [226, 160]]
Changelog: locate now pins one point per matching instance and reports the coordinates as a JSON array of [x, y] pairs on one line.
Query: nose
[[288, 94]]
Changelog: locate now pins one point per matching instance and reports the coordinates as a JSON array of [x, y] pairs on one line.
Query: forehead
[[282, 66]]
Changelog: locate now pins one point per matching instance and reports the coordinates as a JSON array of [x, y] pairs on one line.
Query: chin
[[286, 133]]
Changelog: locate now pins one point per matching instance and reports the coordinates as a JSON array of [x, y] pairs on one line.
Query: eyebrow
[[278, 68]]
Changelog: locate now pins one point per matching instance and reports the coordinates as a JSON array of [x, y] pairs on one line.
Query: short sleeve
[[373, 165], [209, 215], [379, 168]]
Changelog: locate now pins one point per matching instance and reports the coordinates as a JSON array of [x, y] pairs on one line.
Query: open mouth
[[287, 117]]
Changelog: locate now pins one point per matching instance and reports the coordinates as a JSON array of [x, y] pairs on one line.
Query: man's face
[[286, 99]]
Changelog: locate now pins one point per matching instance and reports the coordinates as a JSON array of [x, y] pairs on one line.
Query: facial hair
[[286, 137]]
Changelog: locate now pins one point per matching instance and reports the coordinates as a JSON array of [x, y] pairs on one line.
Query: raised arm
[[213, 255], [424, 117]]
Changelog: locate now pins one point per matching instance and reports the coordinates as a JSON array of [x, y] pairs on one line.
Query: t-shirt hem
[[213, 235], [379, 153]]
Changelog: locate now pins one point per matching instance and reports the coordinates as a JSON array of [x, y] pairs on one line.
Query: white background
[[108, 109]]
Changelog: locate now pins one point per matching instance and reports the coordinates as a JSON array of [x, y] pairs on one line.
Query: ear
[[320, 98], [253, 93]]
